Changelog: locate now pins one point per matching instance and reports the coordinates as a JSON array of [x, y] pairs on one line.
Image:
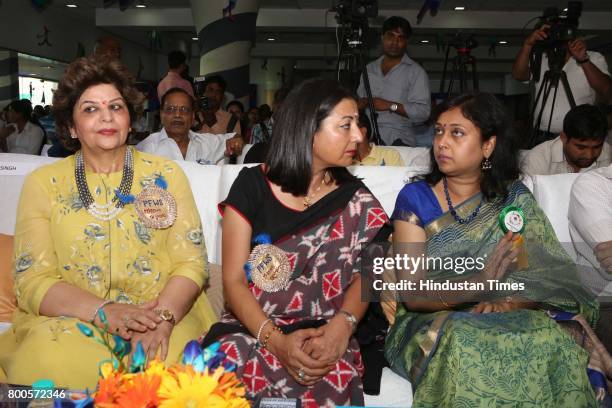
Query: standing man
[[214, 119], [400, 88], [174, 79], [587, 75]]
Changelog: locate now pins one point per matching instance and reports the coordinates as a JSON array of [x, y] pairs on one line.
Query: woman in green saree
[[484, 345]]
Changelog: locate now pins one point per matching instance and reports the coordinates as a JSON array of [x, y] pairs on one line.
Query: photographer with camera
[[212, 118], [400, 88], [586, 71]]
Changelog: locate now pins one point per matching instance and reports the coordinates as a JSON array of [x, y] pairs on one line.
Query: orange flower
[[108, 391], [141, 393]]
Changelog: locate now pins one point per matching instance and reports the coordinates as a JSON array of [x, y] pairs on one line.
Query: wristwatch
[[349, 318], [393, 108], [166, 315]]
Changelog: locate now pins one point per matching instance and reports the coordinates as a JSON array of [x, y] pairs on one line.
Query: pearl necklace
[[104, 212]]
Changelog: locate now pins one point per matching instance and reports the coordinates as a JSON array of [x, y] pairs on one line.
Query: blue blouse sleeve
[[416, 204]]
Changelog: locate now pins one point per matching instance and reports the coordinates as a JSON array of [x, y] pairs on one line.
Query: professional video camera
[[465, 42], [563, 27], [355, 11]]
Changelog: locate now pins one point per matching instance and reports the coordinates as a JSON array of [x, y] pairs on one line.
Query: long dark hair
[[299, 117], [487, 113]]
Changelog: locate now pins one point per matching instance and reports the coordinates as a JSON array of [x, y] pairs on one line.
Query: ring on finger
[[301, 374]]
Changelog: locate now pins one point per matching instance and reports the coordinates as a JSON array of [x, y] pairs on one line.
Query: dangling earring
[[486, 164], [73, 135]]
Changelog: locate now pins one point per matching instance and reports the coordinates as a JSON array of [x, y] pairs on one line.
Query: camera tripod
[[551, 79], [459, 72], [352, 61]]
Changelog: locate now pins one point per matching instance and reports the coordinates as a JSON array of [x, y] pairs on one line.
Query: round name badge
[[156, 207], [270, 268], [512, 219]]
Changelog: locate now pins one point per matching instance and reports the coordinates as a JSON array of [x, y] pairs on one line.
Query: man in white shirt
[[176, 141], [590, 224], [580, 147], [587, 75], [21, 135]]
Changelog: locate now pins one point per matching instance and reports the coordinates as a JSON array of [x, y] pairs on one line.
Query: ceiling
[[318, 43]]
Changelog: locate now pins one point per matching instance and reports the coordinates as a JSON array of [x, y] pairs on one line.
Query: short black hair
[[176, 59], [585, 122], [236, 103], [364, 122], [487, 113], [215, 79], [177, 90], [394, 22], [289, 158], [264, 111]]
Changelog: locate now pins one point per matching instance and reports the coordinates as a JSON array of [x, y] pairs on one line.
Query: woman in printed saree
[[83, 242], [496, 341], [293, 232]]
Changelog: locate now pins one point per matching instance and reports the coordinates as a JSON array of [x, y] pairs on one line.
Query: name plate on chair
[[279, 403], [17, 168]]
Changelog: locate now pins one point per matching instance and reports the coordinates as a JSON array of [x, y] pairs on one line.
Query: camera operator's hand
[[537, 35], [577, 49]]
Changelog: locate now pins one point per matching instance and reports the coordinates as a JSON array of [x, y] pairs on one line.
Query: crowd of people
[[298, 227]]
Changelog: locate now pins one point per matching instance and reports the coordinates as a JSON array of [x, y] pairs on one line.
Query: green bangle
[[584, 61]]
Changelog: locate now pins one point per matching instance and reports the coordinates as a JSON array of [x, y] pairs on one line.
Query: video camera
[[563, 24], [563, 27], [355, 12], [463, 42], [203, 103]]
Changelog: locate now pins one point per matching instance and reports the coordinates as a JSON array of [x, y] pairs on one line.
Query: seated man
[[590, 223], [369, 154], [580, 147], [177, 142]]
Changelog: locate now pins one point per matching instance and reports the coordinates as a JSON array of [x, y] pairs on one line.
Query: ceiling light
[[194, 38], [271, 39], [565, 9], [503, 42], [141, 5], [71, 5], [459, 8], [424, 41]]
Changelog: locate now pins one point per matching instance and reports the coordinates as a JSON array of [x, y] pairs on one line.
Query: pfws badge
[[512, 219], [268, 267], [155, 206]]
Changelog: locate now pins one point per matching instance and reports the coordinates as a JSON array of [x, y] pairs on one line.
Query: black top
[[251, 196]]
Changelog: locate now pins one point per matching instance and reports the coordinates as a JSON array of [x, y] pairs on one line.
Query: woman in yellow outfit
[[108, 228]]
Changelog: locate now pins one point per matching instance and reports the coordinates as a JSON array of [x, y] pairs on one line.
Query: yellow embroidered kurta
[[57, 240]]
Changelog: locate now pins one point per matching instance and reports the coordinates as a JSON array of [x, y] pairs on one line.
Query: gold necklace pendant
[[307, 199]]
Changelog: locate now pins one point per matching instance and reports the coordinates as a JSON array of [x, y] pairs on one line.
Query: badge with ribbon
[[513, 219], [155, 206], [268, 267]]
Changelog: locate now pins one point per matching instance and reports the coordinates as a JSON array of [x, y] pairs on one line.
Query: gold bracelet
[[264, 343], [446, 305]]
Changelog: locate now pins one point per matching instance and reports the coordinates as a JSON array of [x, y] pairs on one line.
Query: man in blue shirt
[[400, 88]]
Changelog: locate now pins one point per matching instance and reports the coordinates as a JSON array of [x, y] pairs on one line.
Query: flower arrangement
[[201, 380]]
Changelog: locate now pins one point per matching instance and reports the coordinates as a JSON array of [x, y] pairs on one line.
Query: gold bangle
[[264, 343]]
